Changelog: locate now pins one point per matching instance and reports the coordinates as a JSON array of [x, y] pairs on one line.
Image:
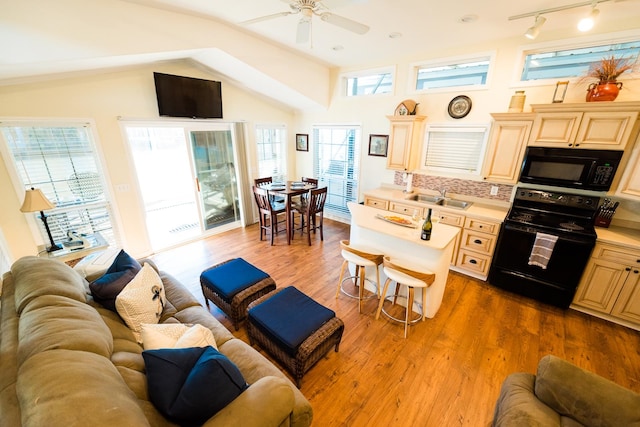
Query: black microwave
[[570, 167]]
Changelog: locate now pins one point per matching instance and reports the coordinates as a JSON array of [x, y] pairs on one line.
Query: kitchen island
[[404, 245]]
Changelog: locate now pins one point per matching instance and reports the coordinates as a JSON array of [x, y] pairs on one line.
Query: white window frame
[[456, 173], [34, 223], [573, 43], [451, 61], [344, 84], [259, 127]]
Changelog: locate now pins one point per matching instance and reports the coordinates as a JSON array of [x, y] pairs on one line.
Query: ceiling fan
[[308, 8]]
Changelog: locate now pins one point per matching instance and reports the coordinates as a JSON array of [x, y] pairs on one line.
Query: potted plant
[[606, 71]]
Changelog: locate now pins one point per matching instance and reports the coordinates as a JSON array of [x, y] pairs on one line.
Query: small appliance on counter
[[605, 213]]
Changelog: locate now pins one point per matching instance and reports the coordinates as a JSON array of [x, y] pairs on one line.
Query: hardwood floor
[[449, 370]]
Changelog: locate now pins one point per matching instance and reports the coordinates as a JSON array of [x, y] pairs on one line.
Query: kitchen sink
[[426, 199], [441, 201]]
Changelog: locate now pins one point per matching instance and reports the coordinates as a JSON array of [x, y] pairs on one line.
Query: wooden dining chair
[[269, 212], [262, 182], [311, 213], [310, 180]]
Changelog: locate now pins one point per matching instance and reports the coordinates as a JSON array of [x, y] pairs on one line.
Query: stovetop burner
[[571, 226], [554, 211]]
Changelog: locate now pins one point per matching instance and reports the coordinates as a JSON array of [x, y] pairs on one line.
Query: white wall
[[370, 111], [103, 98]]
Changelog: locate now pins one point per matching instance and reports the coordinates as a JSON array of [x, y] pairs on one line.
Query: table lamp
[[34, 201]]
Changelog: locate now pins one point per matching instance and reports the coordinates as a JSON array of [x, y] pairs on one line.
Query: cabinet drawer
[[405, 209], [478, 242], [376, 203], [473, 262], [480, 225], [449, 218], [617, 254]]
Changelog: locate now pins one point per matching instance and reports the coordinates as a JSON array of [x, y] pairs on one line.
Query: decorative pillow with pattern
[[176, 335], [106, 288], [142, 300]]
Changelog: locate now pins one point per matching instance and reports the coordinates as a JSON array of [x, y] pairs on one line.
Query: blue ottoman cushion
[[232, 277], [289, 317]]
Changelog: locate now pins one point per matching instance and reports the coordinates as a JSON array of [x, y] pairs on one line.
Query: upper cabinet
[[405, 138], [507, 145], [592, 125], [629, 186]]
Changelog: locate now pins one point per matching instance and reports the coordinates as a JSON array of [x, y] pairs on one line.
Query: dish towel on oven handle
[[542, 250]]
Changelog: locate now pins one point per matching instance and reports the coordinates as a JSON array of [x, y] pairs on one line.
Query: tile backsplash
[[457, 186]]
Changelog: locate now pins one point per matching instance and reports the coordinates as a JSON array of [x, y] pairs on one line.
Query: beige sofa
[[564, 395], [67, 361]]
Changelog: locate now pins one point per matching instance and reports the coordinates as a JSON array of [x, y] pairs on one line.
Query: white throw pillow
[[176, 335], [142, 300]]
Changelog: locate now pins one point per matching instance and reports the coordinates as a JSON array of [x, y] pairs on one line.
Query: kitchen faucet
[[443, 193]]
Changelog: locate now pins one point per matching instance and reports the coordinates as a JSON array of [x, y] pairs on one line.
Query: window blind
[[336, 164], [271, 151], [62, 162], [455, 149]]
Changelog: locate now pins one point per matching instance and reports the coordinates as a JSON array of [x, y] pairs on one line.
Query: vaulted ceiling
[[44, 39]]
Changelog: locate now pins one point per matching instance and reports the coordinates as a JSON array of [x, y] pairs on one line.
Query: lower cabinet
[[477, 242], [610, 285]]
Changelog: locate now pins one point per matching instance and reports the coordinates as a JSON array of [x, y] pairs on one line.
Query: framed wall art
[[378, 145], [302, 142]]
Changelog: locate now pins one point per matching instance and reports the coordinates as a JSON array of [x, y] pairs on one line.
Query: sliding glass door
[[187, 178]]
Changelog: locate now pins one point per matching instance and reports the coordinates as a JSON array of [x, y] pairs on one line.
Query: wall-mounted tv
[[180, 96]]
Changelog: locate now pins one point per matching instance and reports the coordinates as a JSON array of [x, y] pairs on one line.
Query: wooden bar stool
[[361, 257], [411, 279]]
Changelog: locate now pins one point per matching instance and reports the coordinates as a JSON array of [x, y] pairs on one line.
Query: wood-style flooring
[[449, 370]]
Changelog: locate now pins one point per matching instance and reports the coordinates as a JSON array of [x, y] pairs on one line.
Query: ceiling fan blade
[[266, 18], [304, 30], [345, 23]]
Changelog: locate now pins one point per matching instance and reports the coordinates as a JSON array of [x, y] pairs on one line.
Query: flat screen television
[[180, 96]]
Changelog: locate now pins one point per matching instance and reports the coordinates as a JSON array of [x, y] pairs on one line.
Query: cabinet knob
[[477, 241], [577, 145], [627, 269], [473, 261], [570, 145], [635, 271]]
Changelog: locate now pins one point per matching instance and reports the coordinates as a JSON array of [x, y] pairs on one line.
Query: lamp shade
[[35, 200]]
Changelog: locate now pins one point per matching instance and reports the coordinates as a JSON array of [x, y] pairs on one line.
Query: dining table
[[289, 190]]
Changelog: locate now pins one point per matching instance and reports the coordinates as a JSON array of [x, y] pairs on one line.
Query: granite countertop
[[479, 209]]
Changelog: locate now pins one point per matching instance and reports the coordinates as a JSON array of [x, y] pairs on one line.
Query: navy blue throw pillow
[[190, 385], [106, 288]]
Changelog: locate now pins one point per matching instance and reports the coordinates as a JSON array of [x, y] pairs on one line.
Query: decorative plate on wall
[[459, 106]]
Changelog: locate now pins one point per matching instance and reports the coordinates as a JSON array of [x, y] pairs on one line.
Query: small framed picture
[[378, 145], [560, 92], [302, 142]]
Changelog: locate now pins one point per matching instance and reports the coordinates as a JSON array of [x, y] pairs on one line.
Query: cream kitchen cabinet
[[375, 202], [507, 145], [405, 141], [629, 185], [610, 285], [477, 243], [593, 125]]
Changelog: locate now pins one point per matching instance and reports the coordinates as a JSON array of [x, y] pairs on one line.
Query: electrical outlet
[[494, 190], [122, 187]]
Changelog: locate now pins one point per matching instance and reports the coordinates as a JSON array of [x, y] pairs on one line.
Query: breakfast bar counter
[[404, 245]]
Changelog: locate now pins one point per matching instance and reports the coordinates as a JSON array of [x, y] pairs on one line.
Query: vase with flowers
[[606, 71]]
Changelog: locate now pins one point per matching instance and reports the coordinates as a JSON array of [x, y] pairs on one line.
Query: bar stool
[[411, 279], [362, 257]]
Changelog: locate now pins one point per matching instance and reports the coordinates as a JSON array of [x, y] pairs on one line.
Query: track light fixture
[[588, 21], [533, 31], [585, 24]]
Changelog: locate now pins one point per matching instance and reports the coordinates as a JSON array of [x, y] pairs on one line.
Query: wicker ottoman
[[294, 329], [232, 285]]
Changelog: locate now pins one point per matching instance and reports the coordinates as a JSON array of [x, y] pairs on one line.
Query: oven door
[[557, 283]]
